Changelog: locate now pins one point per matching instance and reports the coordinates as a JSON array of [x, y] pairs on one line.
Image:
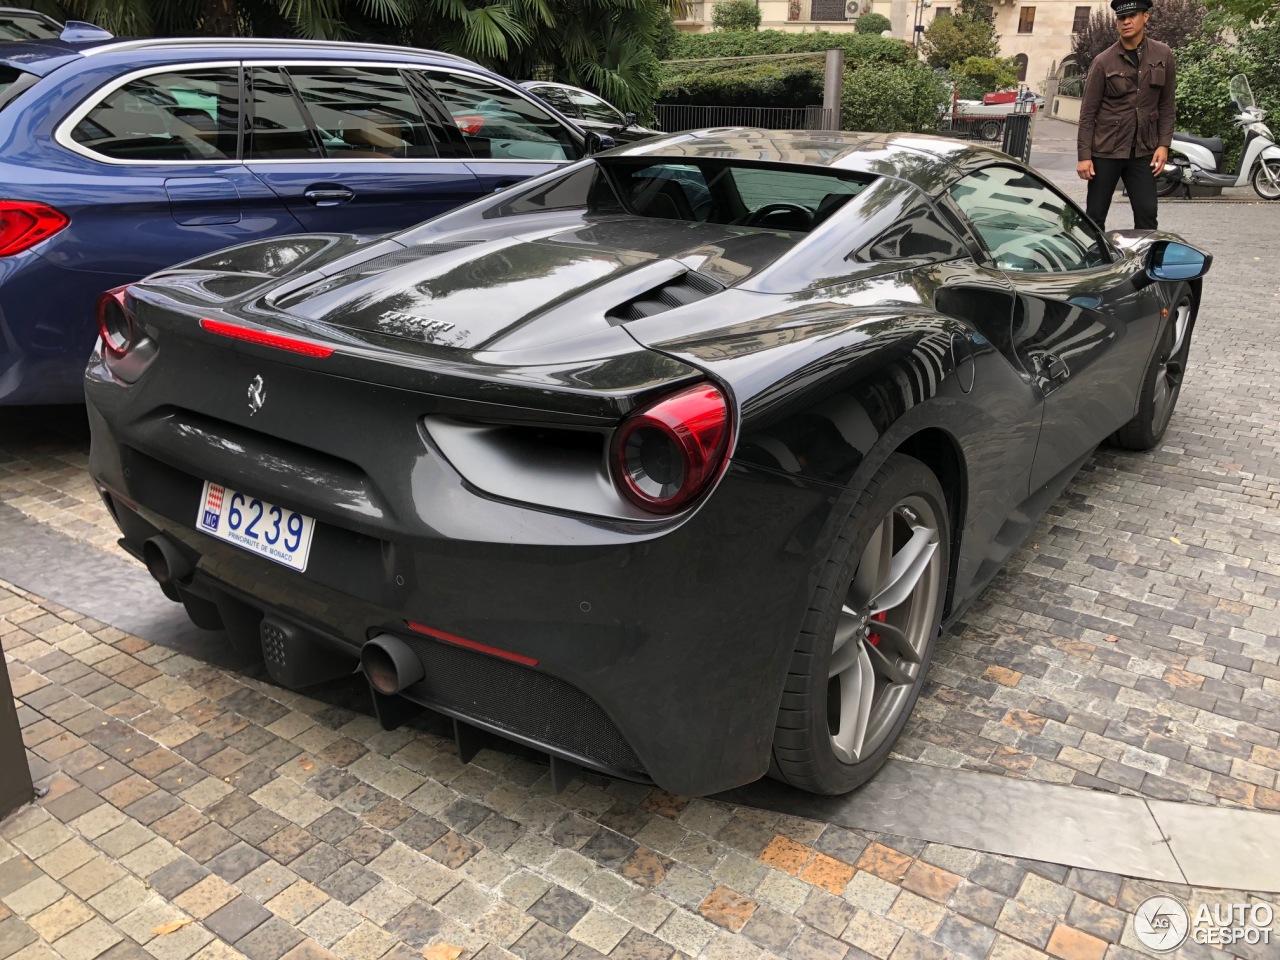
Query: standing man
[[1126, 117]]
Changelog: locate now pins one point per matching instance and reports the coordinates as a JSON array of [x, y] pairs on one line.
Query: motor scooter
[[1201, 162]]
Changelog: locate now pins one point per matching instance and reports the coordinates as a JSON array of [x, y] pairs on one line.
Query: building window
[[941, 12], [1081, 20], [1021, 61], [1026, 19]]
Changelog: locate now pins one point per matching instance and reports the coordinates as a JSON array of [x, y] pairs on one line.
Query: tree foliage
[[979, 75], [873, 23], [1247, 11], [949, 41], [1175, 22], [736, 15], [892, 97], [605, 45], [1204, 70]]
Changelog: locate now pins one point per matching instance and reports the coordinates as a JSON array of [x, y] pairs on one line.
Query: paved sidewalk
[[195, 813]]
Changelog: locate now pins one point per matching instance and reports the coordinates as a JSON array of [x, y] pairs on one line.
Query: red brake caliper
[[874, 638]]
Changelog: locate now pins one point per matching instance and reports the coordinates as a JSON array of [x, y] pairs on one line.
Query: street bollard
[[15, 775]]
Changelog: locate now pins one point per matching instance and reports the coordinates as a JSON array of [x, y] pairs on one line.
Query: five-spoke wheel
[[857, 674]]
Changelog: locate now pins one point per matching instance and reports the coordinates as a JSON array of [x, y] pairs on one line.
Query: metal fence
[[680, 116], [1009, 132]]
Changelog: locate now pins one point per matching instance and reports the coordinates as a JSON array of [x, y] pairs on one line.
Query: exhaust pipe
[[390, 664], [164, 561]]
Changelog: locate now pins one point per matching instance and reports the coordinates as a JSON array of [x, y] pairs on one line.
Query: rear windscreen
[[12, 83]]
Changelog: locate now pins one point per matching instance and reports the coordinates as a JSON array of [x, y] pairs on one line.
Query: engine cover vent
[[680, 291]]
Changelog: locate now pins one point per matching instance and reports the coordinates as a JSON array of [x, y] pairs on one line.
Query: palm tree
[[604, 45]]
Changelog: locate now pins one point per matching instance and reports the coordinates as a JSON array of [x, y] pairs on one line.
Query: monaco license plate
[[257, 525]]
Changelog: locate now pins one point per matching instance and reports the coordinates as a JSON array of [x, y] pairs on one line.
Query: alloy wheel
[[884, 629], [1266, 180], [1171, 366]]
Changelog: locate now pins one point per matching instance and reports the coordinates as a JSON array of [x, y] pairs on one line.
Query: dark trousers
[[1139, 182]]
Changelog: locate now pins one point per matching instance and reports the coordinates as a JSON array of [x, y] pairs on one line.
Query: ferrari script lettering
[[406, 324]]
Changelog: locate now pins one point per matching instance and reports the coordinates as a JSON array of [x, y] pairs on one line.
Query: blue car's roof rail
[[270, 42]]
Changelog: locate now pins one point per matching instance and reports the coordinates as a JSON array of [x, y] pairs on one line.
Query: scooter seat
[[1212, 144]]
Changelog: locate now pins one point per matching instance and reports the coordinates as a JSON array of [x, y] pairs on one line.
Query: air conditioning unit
[[852, 8]]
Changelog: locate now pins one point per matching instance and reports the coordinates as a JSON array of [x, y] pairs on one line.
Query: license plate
[[257, 525]]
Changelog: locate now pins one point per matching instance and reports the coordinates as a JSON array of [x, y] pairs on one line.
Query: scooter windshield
[[1240, 92]]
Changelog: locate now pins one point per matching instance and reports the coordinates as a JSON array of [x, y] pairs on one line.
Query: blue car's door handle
[[328, 196]]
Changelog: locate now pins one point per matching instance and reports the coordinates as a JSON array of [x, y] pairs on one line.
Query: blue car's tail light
[[665, 455], [23, 224]]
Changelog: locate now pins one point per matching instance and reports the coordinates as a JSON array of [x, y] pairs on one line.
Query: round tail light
[[666, 454], [115, 322]]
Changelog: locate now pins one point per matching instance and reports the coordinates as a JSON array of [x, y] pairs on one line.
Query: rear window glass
[[715, 191], [12, 83], [190, 115]]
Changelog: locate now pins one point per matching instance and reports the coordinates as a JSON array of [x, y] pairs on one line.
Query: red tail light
[[265, 339], [470, 124], [24, 224], [115, 322], [667, 454]]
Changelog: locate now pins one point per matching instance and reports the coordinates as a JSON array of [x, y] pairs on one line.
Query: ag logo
[[1161, 923]]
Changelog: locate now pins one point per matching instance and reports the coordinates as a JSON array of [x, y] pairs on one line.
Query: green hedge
[[858, 48], [894, 98], [718, 82], [752, 85]]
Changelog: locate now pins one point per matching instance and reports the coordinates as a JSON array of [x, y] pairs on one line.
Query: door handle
[[1054, 366], [503, 184], [328, 196]]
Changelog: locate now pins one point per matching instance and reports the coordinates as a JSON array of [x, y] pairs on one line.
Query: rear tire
[[1163, 380], [864, 649], [1262, 185], [990, 130], [1166, 187]]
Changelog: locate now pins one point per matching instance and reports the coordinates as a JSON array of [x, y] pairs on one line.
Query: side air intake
[[678, 292]]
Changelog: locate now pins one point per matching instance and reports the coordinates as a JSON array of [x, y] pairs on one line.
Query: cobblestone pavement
[[194, 813]]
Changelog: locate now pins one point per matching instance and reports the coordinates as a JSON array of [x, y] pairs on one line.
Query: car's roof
[[927, 161], [58, 49]]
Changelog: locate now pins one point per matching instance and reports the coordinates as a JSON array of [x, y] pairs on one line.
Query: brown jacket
[[1127, 112]]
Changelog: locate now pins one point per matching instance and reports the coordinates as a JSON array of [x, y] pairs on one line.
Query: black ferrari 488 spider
[[672, 463]]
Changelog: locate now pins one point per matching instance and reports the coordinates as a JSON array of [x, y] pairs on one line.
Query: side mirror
[[1170, 260], [596, 142], [628, 120]]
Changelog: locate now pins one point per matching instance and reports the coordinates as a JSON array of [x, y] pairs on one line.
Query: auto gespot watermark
[[1164, 923]]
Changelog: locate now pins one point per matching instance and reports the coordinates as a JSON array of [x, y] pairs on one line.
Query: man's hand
[[1158, 160], [1084, 169]]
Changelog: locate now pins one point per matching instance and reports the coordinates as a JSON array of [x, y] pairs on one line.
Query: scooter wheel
[[1267, 187], [1165, 187]]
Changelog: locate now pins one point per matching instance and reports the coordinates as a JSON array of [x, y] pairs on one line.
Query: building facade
[[1037, 33]]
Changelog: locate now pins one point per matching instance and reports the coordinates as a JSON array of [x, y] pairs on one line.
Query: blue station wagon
[[120, 158]]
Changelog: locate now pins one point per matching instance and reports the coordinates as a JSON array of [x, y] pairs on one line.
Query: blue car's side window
[[363, 112], [191, 115]]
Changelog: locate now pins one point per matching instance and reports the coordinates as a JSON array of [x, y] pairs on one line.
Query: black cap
[[1130, 6]]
